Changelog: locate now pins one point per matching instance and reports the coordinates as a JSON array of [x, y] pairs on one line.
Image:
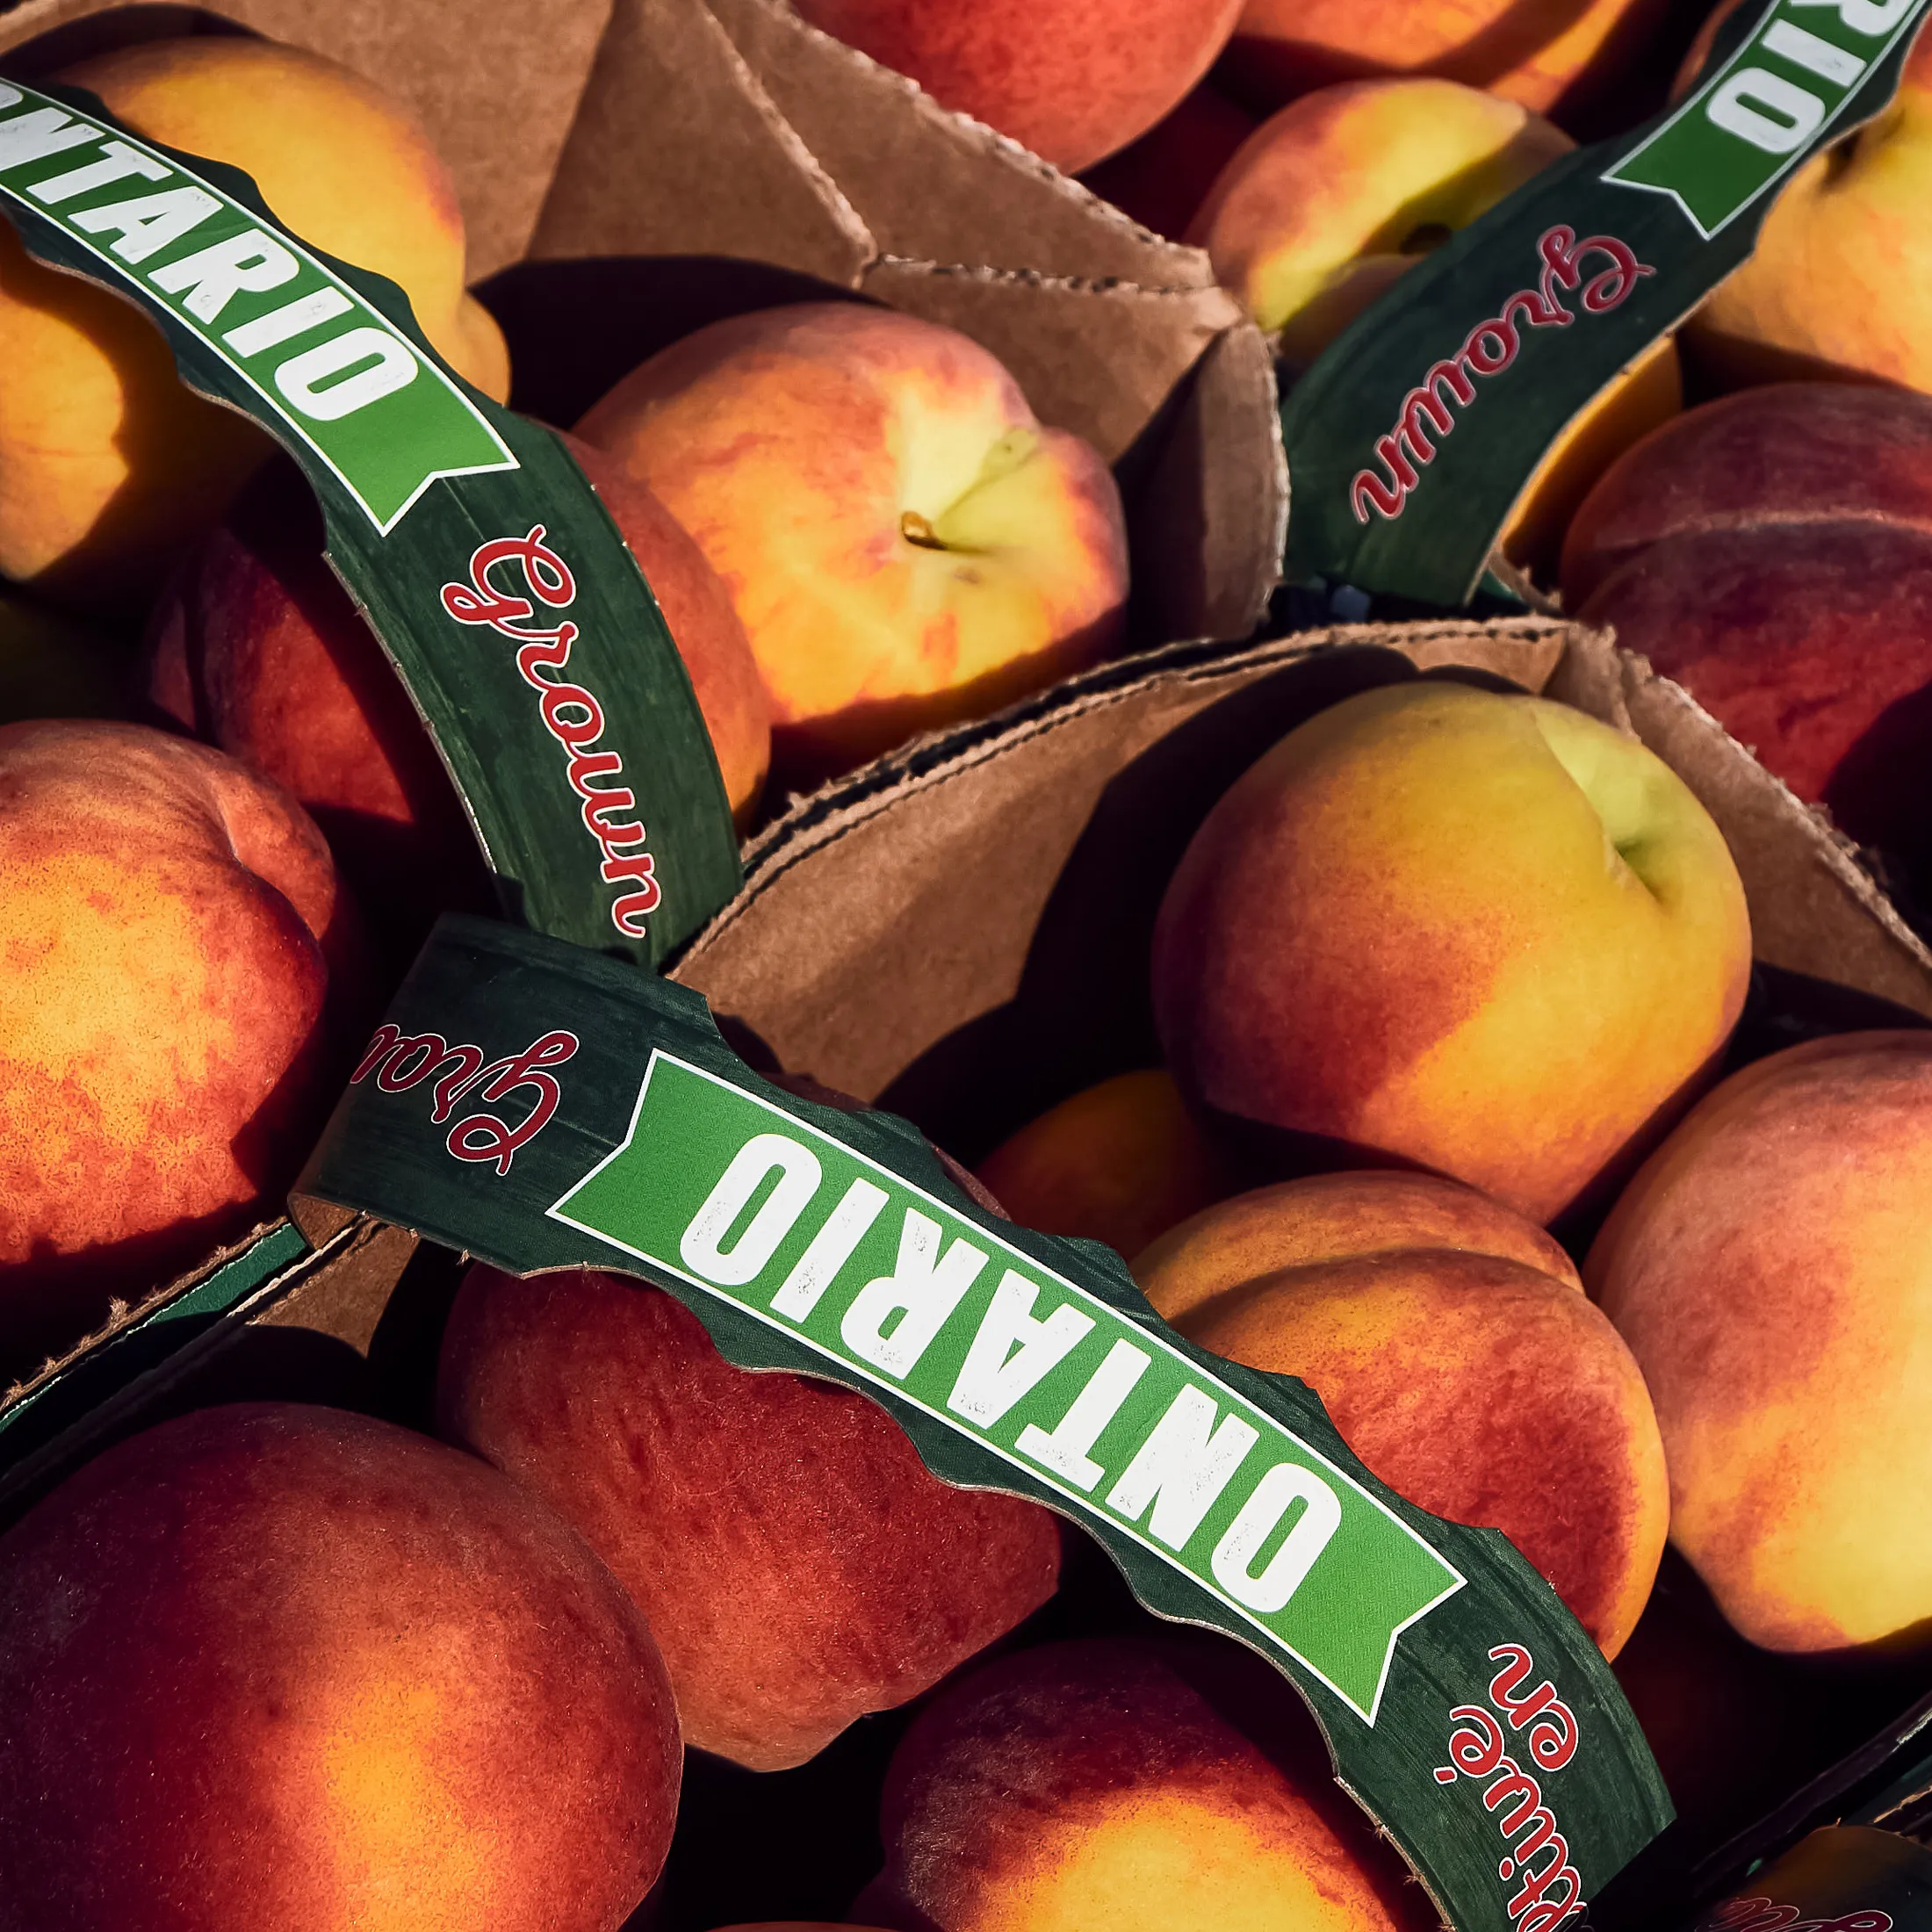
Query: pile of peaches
[[1450, 1122], [853, 522]]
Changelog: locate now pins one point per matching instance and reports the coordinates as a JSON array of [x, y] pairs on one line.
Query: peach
[[907, 546], [108, 465], [1770, 1267], [1120, 1162], [279, 1666], [1332, 200], [1644, 395], [1162, 178], [1841, 279], [1336, 1219], [258, 648], [169, 920], [286, 117], [1073, 80], [1756, 550], [1547, 53], [1109, 1784], [1793, 452], [796, 1561], [1449, 1341], [1480, 933]]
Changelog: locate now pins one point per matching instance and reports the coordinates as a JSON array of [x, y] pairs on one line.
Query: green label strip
[[1766, 105], [738, 1198], [1412, 436], [486, 563], [541, 1108]]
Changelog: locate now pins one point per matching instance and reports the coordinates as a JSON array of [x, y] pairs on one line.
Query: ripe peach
[[1792, 453], [280, 1666], [287, 116], [1455, 1355], [905, 544], [1546, 53], [1120, 1162], [1111, 1783], [1840, 278], [797, 1564], [1480, 933], [1069, 80], [1770, 1266], [258, 648], [1336, 1218], [1755, 548], [1332, 200], [108, 465], [167, 919]]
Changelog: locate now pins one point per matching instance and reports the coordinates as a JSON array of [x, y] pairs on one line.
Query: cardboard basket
[[987, 890], [627, 175]]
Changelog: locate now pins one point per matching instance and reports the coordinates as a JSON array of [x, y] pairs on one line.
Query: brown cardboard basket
[[982, 899], [629, 172]]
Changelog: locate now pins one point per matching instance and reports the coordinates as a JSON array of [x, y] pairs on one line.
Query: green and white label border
[[197, 250], [1106, 1318]]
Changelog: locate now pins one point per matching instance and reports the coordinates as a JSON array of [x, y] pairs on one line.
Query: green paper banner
[[538, 1108], [1412, 436], [483, 560], [901, 1291]]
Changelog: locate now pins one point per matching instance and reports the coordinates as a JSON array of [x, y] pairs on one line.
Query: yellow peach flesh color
[[379, 1771], [109, 468], [1616, 892], [287, 118], [1612, 893], [967, 598], [1334, 1217], [1181, 1863], [1523, 935], [1533, 54], [1841, 281], [190, 1030], [1771, 1268], [903, 541], [1326, 204]]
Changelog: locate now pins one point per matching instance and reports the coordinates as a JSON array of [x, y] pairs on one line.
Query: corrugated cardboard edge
[[811, 822], [1814, 909], [933, 877], [338, 1272], [123, 1316], [949, 188], [842, 170], [669, 89], [952, 871], [588, 92], [1081, 351]]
